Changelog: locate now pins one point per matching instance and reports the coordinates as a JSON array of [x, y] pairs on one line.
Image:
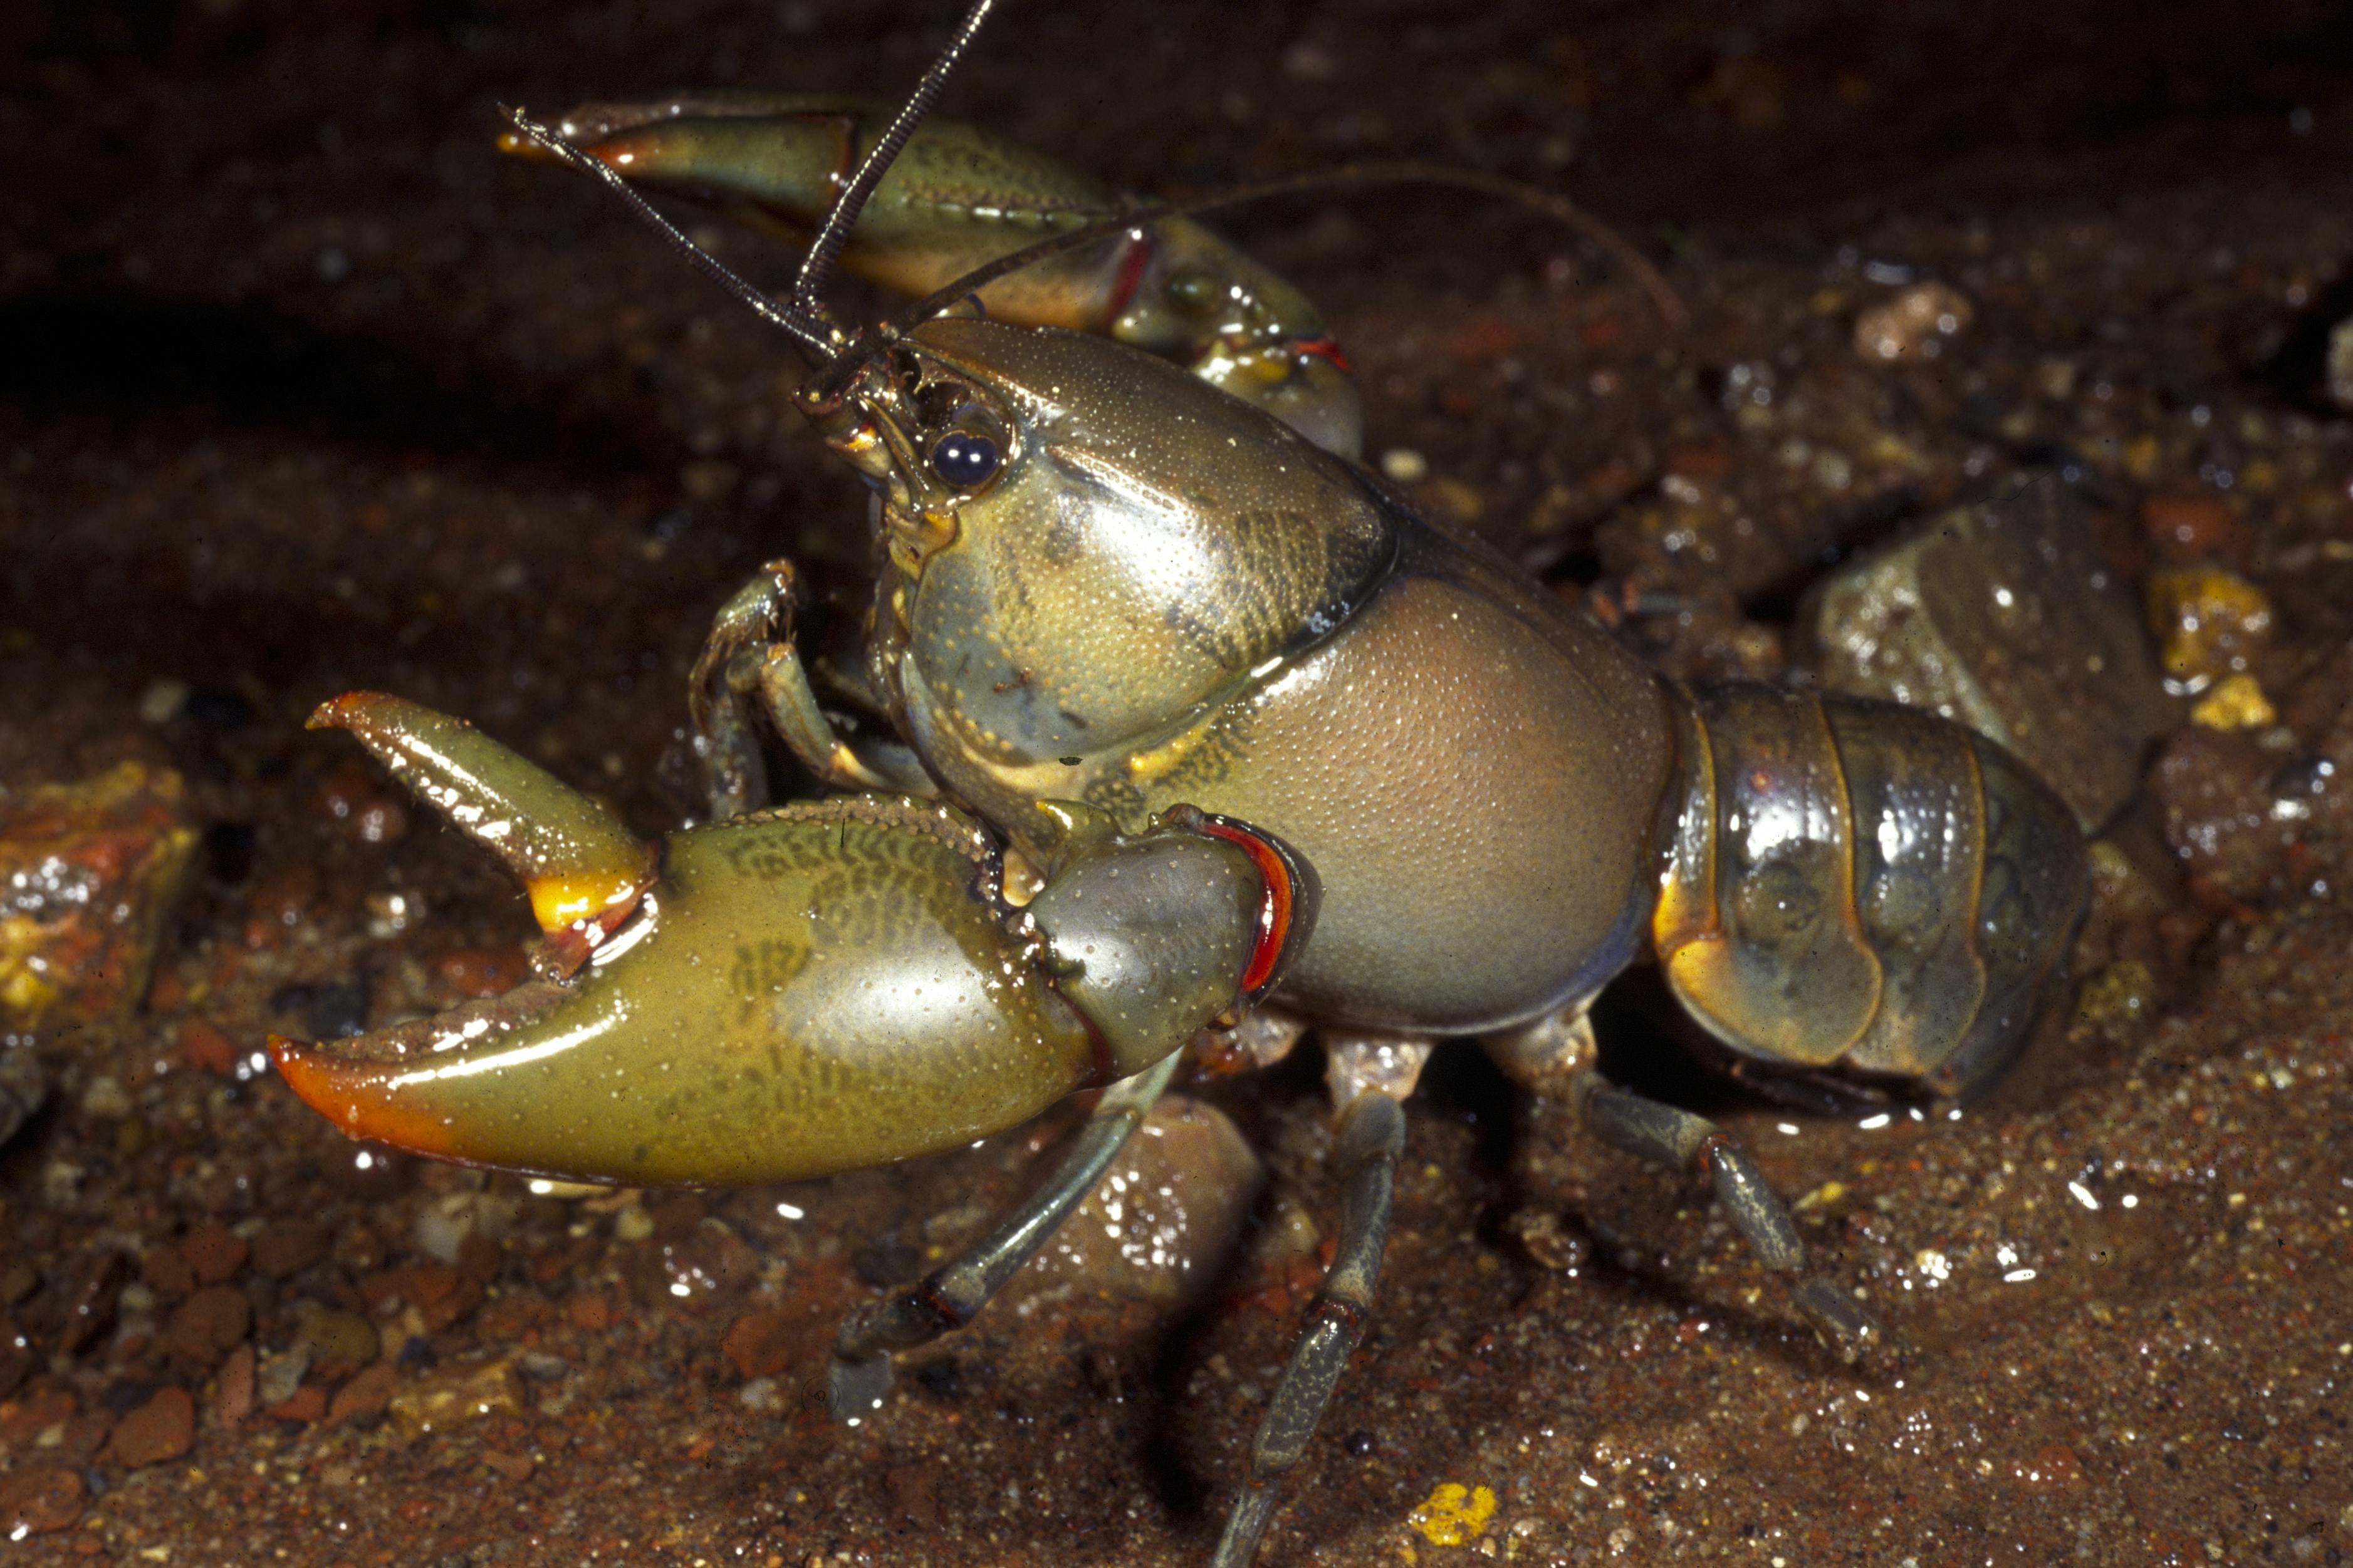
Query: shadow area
[[68, 353]]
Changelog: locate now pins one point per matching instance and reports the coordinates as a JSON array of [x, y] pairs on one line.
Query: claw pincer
[[958, 196], [827, 986]]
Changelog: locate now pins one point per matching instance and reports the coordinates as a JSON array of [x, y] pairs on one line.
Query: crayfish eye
[[964, 458]]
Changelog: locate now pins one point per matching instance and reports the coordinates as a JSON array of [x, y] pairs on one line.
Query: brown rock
[[513, 1315], [37, 1502], [208, 1326], [2213, 798], [288, 1247], [336, 1338], [21, 1420], [760, 1343], [215, 1253], [2004, 616], [1158, 1222], [459, 1392], [442, 1294], [206, 1048], [166, 1272], [480, 1259], [514, 1467], [307, 1402], [85, 1435], [161, 1429], [92, 867], [364, 1394], [590, 1309], [2191, 527], [233, 1401]]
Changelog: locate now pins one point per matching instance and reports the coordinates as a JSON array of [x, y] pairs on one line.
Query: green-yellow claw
[[825, 987], [583, 869], [958, 197]]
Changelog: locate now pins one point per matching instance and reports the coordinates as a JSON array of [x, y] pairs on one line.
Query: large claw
[[958, 197], [833, 985]]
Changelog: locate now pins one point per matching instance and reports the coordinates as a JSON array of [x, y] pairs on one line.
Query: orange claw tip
[[357, 711], [354, 1094]]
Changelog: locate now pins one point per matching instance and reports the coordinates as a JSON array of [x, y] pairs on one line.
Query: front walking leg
[[949, 1298], [1679, 1140], [1370, 1138], [749, 662]]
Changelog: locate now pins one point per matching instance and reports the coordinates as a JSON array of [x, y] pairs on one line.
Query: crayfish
[[1171, 718]]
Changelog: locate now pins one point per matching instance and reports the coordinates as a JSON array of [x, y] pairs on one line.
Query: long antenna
[[805, 320], [830, 238], [1549, 204]]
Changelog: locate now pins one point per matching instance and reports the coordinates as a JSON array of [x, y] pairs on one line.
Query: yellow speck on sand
[[2237, 703], [1453, 1514]]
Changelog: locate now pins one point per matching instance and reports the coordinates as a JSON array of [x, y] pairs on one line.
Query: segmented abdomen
[[1854, 884]]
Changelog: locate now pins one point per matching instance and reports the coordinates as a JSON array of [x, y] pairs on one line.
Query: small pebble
[[762, 1344], [1913, 324], [106, 1099], [334, 1336], [438, 1234], [215, 1253], [306, 1405], [37, 1501], [279, 1376], [1405, 465], [161, 704], [462, 1392], [161, 1429], [2189, 527], [2340, 363], [591, 1310], [207, 1049], [365, 1395], [515, 1468], [233, 1400], [207, 1325], [288, 1246], [2208, 623], [761, 1395], [2237, 703]]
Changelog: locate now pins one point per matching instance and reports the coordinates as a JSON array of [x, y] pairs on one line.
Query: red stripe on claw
[[1323, 348], [1275, 906]]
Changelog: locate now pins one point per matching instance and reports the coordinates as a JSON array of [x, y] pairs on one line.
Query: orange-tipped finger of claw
[[359, 1099]]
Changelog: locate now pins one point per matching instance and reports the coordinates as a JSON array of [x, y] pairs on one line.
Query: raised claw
[[584, 870], [825, 987], [958, 197]]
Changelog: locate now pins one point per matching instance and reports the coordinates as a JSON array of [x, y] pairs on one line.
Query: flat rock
[[161, 1429], [1158, 1222], [87, 871], [37, 1501], [2002, 616]]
